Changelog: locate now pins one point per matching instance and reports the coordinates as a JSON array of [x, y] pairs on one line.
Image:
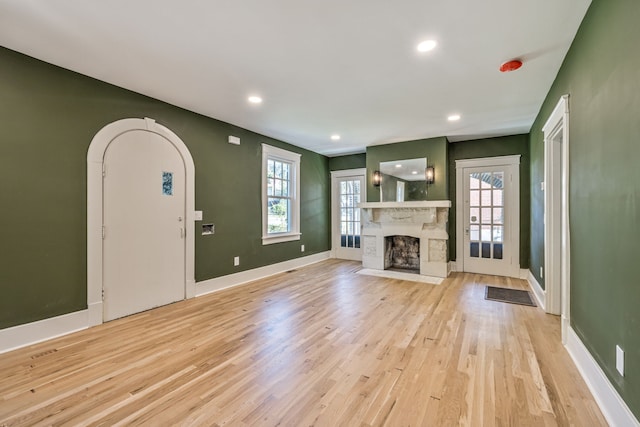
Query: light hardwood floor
[[318, 346]]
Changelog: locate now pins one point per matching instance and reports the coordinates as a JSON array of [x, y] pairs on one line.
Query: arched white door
[[101, 236], [144, 224]]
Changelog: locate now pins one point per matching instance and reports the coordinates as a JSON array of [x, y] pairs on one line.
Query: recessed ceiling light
[[454, 117], [427, 45], [255, 100], [414, 172], [335, 137], [398, 165]]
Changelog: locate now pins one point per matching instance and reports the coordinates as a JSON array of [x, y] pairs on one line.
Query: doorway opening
[[556, 213]]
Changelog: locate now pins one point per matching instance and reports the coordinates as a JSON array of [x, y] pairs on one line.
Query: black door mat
[[512, 296]]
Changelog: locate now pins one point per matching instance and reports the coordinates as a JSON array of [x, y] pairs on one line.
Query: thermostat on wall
[[234, 140]]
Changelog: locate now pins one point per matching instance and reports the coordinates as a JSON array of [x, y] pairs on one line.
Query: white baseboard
[[452, 267], [524, 273], [42, 330], [224, 282], [538, 292], [95, 315], [32, 333], [190, 289], [614, 409]]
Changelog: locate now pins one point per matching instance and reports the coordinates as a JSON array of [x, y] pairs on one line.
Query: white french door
[[488, 213], [348, 189]]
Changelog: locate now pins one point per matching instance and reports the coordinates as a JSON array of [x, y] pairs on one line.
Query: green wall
[[48, 117], [491, 147], [351, 161], [434, 149], [601, 74]]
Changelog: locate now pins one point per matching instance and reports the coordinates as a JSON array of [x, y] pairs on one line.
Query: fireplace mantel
[[426, 220], [406, 205]]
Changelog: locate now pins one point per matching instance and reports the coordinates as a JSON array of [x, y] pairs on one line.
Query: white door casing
[[347, 245], [143, 224], [556, 213], [488, 224], [95, 197]]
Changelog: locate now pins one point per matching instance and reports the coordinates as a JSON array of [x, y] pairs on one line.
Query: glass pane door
[[486, 214], [490, 220], [348, 193], [349, 213]]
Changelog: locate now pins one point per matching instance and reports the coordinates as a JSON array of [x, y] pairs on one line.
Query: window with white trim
[[280, 195]]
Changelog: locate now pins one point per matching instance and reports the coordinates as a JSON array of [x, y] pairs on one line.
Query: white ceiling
[[322, 67]]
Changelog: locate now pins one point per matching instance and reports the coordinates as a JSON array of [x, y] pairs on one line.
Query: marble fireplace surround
[[426, 221]]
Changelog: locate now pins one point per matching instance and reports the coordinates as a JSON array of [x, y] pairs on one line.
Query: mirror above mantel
[[403, 180]]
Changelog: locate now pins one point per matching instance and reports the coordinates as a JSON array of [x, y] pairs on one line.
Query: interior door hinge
[[103, 295], [104, 170], [103, 232]]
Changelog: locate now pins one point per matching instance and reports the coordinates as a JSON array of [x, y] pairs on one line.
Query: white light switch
[[620, 360], [197, 215], [234, 140]]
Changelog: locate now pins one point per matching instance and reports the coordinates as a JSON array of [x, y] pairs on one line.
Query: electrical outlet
[[236, 261], [620, 360], [301, 248], [541, 273]]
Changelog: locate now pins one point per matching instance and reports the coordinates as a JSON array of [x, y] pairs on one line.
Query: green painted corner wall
[[49, 116], [350, 161], [601, 74], [492, 147], [434, 149]]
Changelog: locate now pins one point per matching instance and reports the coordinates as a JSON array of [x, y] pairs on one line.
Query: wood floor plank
[[318, 346]]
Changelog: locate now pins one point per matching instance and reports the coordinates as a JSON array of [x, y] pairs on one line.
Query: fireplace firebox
[[402, 252]]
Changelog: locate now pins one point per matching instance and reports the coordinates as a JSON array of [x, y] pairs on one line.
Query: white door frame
[[335, 175], [556, 218], [95, 158], [513, 206]]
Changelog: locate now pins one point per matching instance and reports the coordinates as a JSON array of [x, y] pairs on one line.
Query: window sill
[[280, 238]]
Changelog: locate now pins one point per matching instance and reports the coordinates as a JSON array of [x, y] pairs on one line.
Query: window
[[280, 195]]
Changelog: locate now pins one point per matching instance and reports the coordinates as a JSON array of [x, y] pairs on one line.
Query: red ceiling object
[[510, 66]]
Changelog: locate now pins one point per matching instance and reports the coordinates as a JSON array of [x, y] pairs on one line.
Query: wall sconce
[[377, 178], [430, 175]]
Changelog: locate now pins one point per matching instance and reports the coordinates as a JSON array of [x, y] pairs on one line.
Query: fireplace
[[402, 252], [406, 235]]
